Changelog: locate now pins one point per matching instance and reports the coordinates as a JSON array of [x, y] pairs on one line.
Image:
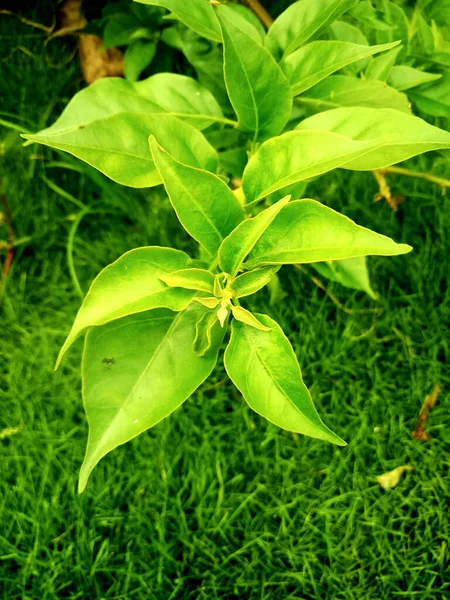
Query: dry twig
[[419, 432]]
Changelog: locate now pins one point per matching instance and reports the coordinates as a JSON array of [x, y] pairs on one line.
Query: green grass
[[215, 502]]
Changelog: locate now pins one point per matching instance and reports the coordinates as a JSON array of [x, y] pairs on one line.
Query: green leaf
[[343, 90], [130, 285], [248, 15], [351, 273], [183, 97], [343, 31], [190, 279], [203, 332], [434, 99], [119, 30], [138, 56], [404, 78], [264, 368], [379, 68], [396, 17], [316, 61], [118, 146], [300, 21], [396, 136], [306, 231], [252, 281], [238, 244], [291, 158], [104, 98], [210, 302], [198, 15], [136, 372], [245, 316], [205, 206], [254, 81]]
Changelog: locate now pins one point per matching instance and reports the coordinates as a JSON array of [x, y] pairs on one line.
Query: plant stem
[[443, 183], [70, 241], [259, 10], [10, 254]]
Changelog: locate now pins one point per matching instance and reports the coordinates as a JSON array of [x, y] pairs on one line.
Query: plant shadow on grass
[[214, 502]]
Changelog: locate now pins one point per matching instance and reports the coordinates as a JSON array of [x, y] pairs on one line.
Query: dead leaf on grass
[[419, 432], [391, 479]]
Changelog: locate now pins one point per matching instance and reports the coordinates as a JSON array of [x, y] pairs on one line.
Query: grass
[[214, 502]]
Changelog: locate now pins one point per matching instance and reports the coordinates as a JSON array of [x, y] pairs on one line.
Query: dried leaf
[[5, 433], [96, 62], [391, 479], [419, 432]]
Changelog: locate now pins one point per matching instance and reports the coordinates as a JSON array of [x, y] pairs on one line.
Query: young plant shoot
[[156, 319]]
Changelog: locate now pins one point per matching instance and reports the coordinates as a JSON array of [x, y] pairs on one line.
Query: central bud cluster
[[223, 292]]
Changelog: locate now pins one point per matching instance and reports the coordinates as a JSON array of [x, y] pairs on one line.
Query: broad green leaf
[[198, 15], [248, 15], [263, 366], [343, 31], [252, 281], [424, 33], [206, 57], [138, 56], [204, 204], [244, 316], [104, 98], [300, 21], [404, 78], [131, 285], [238, 244], [398, 136], [118, 146], [136, 372], [254, 81], [296, 156], [351, 272], [203, 332], [314, 62], [396, 17], [190, 279], [183, 97], [343, 90], [379, 68], [368, 15], [119, 30], [306, 231], [434, 99]]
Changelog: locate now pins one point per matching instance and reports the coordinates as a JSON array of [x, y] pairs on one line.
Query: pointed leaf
[[379, 68], [203, 332], [264, 368], [245, 316], [183, 97], [297, 156], [238, 244], [316, 61], [342, 90], [404, 78], [136, 372], [204, 204], [298, 23], [252, 281], [397, 136], [130, 285], [138, 56], [306, 231], [190, 279], [198, 15], [211, 302], [351, 272], [118, 146], [254, 81]]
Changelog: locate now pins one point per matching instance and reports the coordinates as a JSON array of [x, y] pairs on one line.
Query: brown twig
[[25, 21], [258, 9], [385, 191], [419, 432], [10, 249]]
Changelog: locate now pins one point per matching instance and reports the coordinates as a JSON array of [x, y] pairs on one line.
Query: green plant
[[156, 318]]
